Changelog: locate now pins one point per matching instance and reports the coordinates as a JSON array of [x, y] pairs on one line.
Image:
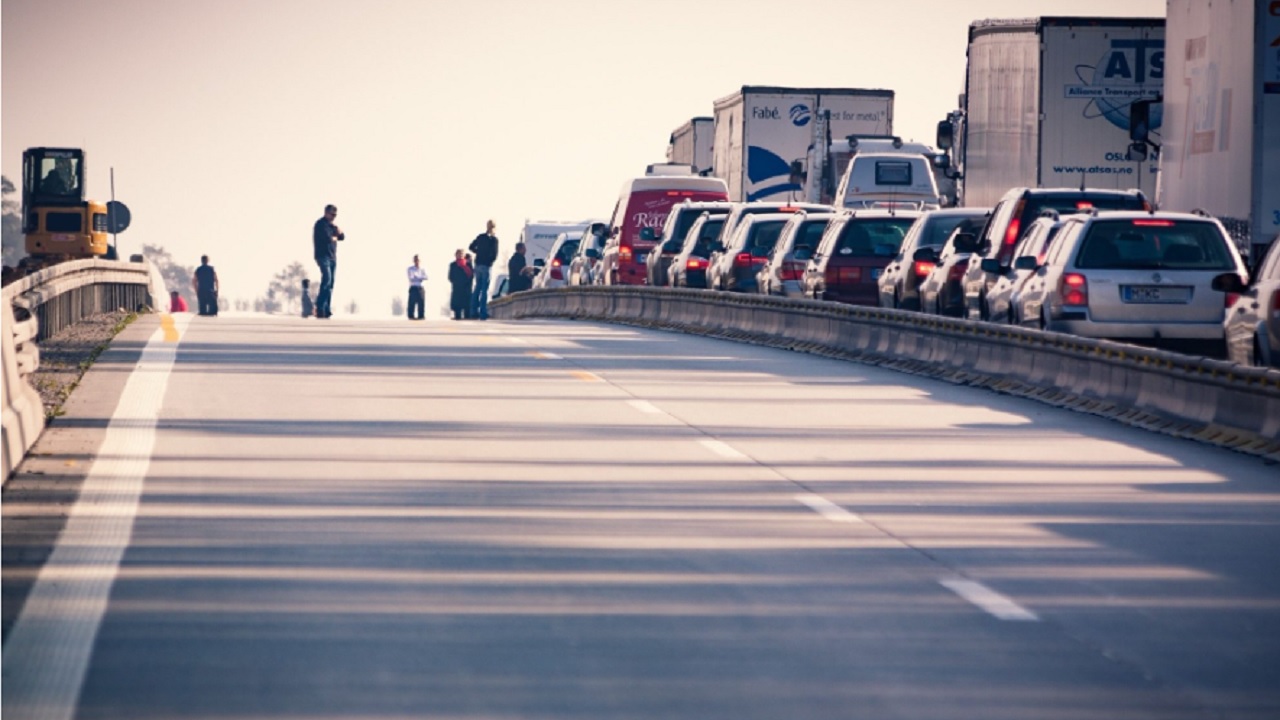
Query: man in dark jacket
[[485, 247], [325, 236], [206, 287], [519, 274]]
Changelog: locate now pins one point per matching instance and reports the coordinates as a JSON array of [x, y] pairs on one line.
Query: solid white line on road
[[47, 654], [828, 509], [644, 406], [722, 449], [988, 599]]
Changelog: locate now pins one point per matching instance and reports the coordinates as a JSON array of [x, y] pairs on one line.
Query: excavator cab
[[56, 218]]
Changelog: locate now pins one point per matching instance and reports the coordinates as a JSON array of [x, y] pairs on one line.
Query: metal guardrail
[[41, 304], [1209, 400]]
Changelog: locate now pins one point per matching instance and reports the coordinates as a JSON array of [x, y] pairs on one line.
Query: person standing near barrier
[[519, 274], [460, 281], [324, 237], [416, 299], [485, 246], [205, 282]]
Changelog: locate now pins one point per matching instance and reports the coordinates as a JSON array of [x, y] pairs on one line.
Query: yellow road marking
[[586, 376], [170, 330]]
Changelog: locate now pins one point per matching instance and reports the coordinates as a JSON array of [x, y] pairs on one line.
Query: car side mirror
[[992, 265], [925, 254], [1228, 283], [1027, 262], [966, 243]]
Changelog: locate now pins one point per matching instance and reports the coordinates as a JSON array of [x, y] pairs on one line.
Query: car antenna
[[1081, 179]]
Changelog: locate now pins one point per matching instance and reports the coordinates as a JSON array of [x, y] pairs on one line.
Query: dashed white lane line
[[47, 654], [722, 449], [645, 407], [989, 600], [515, 340], [828, 509]]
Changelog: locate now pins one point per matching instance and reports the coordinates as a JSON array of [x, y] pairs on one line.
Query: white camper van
[[901, 180]]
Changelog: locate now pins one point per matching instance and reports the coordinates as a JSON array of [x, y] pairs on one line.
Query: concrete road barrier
[[41, 304], [1210, 400]]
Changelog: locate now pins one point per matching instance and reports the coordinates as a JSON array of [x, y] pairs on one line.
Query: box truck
[[1046, 104], [761, 131], [1221, 145], [690, 144]]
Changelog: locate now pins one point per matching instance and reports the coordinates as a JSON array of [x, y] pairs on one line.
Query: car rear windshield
[[707, 234], [939, 229], [684, 220], [1154, 244], [1078, 201], [872, 238], [807, 238], [567, 250], [763, 236]]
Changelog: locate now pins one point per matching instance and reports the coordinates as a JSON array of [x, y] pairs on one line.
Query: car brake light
[[1084, 205], [1153, 223], [555, 263], [694, 264], [792, 270], [1074, 290], [742, 260], [624, 254], [923, 268]]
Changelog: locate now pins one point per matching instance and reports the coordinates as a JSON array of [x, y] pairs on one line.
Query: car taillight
[[1153, 223], [624, 254], [923, 268], [695, 264], [1275, 302], [742, 260], [1015, 224], [1229, 299], [792, 270], [556, 272], [1074, 290], [556, 263]]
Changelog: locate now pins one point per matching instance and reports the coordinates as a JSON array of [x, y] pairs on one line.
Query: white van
[[888, 180]]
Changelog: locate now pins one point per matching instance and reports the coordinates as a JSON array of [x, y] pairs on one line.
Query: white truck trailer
[[691, 144], [1221, 145], [760, 131], [1046, 104]]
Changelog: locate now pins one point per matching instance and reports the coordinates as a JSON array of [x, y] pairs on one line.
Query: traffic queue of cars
[[1095, 263]]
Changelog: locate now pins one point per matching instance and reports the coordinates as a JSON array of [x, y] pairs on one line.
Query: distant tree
[[176, 277], [243, 305], [14, 243], [397, 306], [286, 287], [224, 304]]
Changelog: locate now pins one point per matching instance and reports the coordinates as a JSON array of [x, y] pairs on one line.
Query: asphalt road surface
[[281, 518]]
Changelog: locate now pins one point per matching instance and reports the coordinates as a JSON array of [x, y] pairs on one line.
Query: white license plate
[[1151, 294]]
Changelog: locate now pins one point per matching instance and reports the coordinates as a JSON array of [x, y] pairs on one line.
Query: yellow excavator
[[57, 220]]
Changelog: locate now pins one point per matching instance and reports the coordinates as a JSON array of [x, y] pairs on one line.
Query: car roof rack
[[1202, 213]]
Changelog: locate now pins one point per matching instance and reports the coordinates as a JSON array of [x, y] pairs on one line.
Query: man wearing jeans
[[417, 300], [485, 246], [325, 236]]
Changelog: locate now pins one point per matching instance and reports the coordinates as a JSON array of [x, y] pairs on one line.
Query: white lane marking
[[828, 509], [515, 340], [47, 654], [644, 406], [722, 449], [988, 599]]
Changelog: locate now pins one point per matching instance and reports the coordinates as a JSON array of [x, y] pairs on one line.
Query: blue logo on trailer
[[800, 115], [1121, 77]]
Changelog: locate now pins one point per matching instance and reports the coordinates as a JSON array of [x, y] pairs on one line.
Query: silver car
[[555, 273], [1252, 326], [582, 264], [782, 274], [1036, 241], [1145, 277]]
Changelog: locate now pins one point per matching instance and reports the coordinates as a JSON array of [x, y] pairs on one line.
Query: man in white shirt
[[416, 299]]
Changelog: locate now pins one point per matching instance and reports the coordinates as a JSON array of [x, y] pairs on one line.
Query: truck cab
[[56, 218]]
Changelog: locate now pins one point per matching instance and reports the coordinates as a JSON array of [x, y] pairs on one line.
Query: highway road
[[282, 518]]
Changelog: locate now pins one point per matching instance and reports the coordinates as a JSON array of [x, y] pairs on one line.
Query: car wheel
[[1258, 360]]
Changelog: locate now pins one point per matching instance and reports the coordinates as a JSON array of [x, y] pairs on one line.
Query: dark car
[[746, 252], [1013, 215], [671, 238], [900, 283], [689, 267], [855, 249]]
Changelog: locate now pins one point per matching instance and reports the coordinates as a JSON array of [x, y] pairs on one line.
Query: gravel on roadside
[[65, 357]]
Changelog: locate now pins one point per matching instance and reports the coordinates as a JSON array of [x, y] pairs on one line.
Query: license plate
[[1152, 294], [63, 237], [876, 273], [642, 257]]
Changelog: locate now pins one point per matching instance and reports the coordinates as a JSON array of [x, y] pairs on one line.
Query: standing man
[[206, 287], [416, 299], [485, 246], [325, 236], [519, 274]]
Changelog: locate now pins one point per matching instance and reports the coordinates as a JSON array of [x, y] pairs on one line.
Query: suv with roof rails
[[1153, 278], [855, 248], [1014, 214]]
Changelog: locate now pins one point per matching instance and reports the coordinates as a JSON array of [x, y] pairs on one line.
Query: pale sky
[[231, 123]]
